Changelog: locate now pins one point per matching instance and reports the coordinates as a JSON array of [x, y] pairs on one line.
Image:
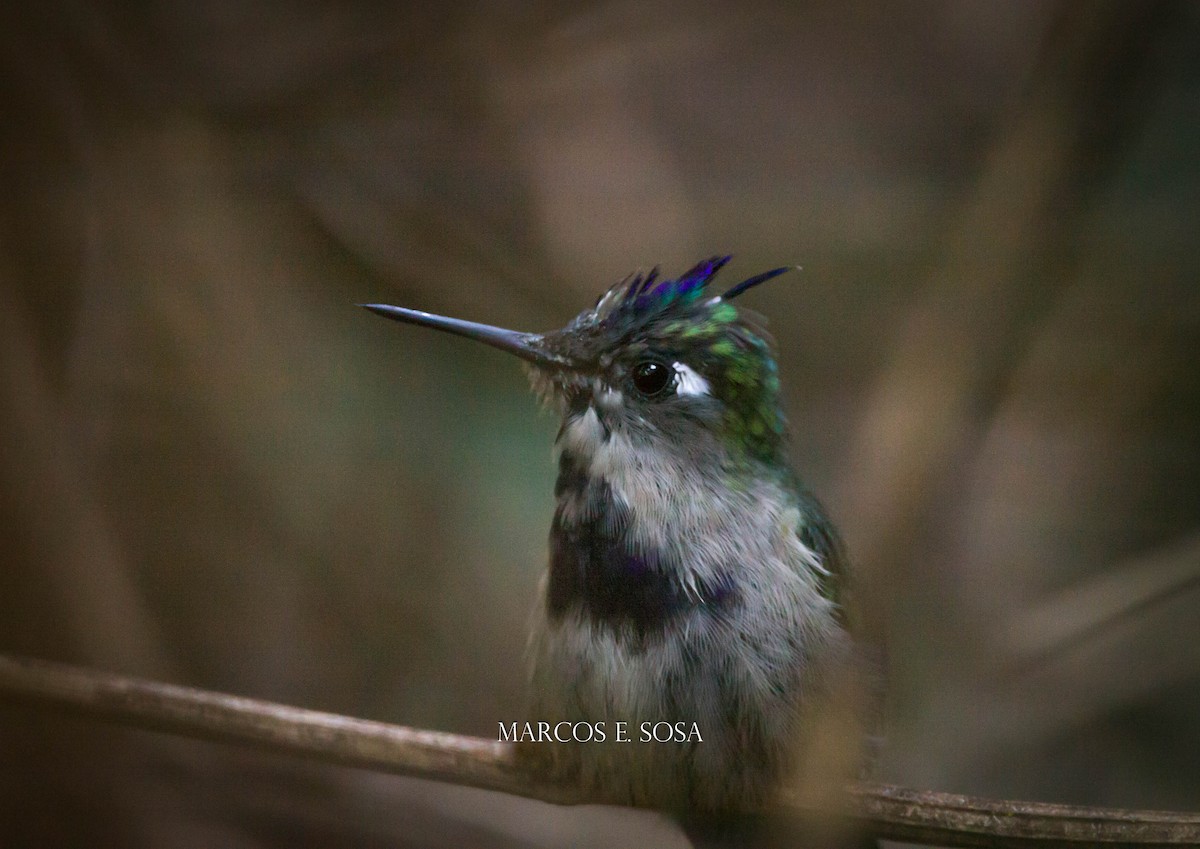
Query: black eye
[[651, 378]]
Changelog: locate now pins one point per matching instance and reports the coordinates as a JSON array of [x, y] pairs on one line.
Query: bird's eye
[[652, 378]]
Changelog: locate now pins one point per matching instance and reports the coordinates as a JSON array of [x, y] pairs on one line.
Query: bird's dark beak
[[528, 346]]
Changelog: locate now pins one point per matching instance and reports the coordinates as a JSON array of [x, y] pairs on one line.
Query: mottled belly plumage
[[621, 637]]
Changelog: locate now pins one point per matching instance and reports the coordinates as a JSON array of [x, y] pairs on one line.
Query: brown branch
[[886, 811]]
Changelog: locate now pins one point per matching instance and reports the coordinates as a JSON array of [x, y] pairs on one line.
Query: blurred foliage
[[216, 471]]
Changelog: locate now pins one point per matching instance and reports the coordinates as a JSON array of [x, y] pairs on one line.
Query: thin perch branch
[[886, 811]]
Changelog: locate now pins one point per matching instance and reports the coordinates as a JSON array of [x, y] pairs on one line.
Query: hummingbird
[[692, 578]]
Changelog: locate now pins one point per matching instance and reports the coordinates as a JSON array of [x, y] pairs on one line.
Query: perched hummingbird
[[692, 578]]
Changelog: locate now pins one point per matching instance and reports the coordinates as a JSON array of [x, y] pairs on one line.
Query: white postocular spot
[[689, 381]]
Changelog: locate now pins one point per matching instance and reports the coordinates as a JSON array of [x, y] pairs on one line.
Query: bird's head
[[661, 361]]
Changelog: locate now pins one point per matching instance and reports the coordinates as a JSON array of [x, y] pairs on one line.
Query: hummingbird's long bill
[[527, 346]]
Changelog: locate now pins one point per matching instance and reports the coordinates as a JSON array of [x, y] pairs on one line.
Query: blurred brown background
[[216, 471]]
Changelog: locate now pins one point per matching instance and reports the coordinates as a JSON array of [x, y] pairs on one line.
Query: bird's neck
[[632, 533]]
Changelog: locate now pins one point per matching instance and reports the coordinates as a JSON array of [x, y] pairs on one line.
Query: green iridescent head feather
[[679, 320], [644, 318]]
